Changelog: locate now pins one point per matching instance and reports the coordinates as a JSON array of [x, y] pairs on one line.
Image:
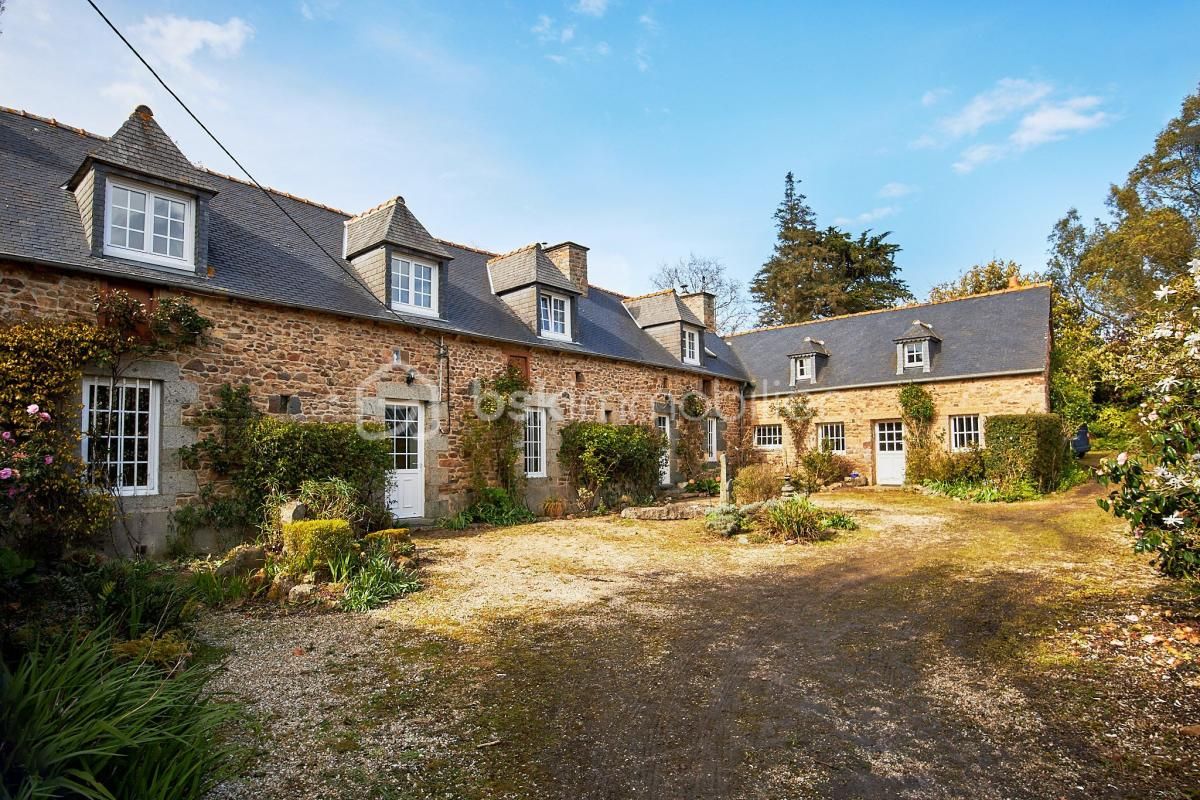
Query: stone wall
[[859, 409], [336, 368]]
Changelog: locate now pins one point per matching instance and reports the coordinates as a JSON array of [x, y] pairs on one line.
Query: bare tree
[[703, 274]]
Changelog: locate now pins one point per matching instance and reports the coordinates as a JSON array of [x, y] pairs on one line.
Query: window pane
[[137, 240]]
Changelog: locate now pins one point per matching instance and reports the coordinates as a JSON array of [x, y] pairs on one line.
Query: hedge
[[1025, 446]]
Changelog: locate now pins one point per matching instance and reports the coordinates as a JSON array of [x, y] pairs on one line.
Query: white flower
[[1162, 331], [1195, 266], [1167, 384], [1163, 292], [1173, 521]]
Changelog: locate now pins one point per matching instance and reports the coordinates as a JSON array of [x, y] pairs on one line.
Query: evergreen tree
[[816, 273]]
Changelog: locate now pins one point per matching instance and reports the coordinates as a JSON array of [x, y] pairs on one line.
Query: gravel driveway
[[943, 650]]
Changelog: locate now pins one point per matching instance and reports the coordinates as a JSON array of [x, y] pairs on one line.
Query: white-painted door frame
[[406, 484]]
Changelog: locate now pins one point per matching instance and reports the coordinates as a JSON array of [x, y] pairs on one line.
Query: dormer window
[[149, 224], [689, 346], [915, 354], [803, 369], [554, 316], [414, 286]]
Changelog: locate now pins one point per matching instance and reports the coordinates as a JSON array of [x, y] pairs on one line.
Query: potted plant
[[553, 507]]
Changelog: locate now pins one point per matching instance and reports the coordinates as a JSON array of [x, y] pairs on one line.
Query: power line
[[337, 262]]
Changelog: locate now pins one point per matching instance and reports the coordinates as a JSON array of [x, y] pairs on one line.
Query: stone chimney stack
[[571, 260], [704, 306]]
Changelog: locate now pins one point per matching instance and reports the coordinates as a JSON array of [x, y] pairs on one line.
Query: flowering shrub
[[1159, 493]]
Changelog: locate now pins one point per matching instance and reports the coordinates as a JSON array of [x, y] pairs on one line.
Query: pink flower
[[6, 436], [5, 474], [48, 460], [45, 415], [1122, 458], [32, 408]]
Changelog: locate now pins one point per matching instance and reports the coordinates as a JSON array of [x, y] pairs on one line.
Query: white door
[[889, 453], [663, 423], [406, 480]]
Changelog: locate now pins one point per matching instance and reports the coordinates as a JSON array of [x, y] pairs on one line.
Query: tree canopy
[[702, 274], [990, 277], [823, 272]]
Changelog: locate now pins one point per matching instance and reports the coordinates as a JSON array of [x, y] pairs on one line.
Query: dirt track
[[922, 657]]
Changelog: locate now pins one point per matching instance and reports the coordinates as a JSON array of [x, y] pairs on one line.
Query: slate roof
[[810, 346], [661, 308], [524, 266], [256, 253], [140, 145], [1003, 332], [391, 222], [919, 329]]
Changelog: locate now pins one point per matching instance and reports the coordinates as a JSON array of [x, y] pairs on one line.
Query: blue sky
[[645, 129]]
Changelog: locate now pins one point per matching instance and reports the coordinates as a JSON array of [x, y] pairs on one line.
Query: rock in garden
[[293, 511], [281, 587], [242, 560], [302, 593]]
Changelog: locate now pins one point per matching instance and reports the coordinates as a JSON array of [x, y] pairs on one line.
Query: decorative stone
[[292, 511], [788, 489], [302, 592], [671, 511], [281, 587], [242, 560]]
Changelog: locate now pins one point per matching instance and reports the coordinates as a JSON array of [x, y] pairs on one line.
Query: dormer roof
[[811, 346], [918, 330], [661, 308], [141, 146], [391, 223], [524, 266]]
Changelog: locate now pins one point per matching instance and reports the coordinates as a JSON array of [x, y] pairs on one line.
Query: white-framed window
[[768, 437], [831, 436], [120, 433], [535, 443], [964, 432], [554, 316], [710, 438], [414, 286], [803, 369], [689, 346], [149, 224], [914, 354]]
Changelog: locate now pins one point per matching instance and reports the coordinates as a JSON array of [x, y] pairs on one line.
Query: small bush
[[78, 722], [1029, 447], [724, 521], [138, 597], [311, 543], [794, 518], [378, 580], [757, 482], [839, 520], [337, 498], [217, 590], [495, 506], [820, 468], [169, 651], [609, 461], [985, 491], [708, 486]]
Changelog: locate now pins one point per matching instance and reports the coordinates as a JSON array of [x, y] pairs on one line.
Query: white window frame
[[710, 438], [152, 437], [540, 452], [396, 276], [832, 432], [768, 437], [689, 343], [146, 253], [917, 349], [550, 299], [965, 439]]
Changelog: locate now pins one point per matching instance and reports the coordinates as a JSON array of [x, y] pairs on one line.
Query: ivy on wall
[[492, 437]]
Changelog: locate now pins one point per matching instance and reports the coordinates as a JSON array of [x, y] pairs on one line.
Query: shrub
[[757, 482], [1027, 447], [794, 518], [819, 468], [78, 722], [918, 411], [378, 580], [218, 590], [1113, 428], [967, 466], [985, 491], [337, 498], [708, 486], [608, 461], [724, 521], [312, 543], [169, 651], [138, 597], [839, 520]]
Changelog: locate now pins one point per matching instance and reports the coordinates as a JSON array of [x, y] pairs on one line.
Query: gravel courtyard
[[943, 650]]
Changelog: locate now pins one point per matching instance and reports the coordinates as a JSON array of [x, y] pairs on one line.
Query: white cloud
[[567, 34], [1054, 121], [557, 59], [1008, 96], [593, 8], [641, 57], [868, 216], [895, 189], [127, 94], [544, 28], [602, 49], [648, 22], [978, 154], [318, 9], [176, 40], [934, 96]]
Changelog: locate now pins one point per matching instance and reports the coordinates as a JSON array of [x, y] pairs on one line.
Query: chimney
[[571, 260], [704, 306]]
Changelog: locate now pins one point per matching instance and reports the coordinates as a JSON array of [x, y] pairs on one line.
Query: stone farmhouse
[[375, 317]]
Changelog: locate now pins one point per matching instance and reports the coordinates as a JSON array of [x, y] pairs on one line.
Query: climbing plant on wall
[[797, 416], [917, 411], [492, 435]]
